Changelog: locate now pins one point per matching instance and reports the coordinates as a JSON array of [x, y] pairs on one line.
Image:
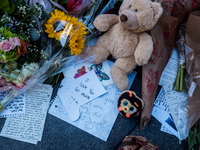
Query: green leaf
[[12, 64], [63, 2], [3, 3], [12, 8], [18, 2], [6, 8], [6, 14]]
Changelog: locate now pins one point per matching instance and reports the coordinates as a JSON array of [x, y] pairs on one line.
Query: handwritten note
[[96, 117], [15, 108], [161, 101], [177, 102], [170, 71], [81, 91], [29, 127]]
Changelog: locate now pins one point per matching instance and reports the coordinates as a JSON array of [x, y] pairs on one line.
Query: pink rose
[[5, 46], [17, 41], [12, 43]]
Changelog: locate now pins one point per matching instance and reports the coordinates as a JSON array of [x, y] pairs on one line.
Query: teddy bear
[[125, 38]]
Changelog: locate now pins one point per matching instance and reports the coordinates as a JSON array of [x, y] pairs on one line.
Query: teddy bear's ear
[[158, 10]]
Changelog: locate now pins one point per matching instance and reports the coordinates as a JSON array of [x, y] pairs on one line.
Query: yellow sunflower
[[77, 30]]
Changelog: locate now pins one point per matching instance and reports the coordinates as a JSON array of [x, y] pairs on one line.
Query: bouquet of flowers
[[87, 12], [27, 56], [19, 53]]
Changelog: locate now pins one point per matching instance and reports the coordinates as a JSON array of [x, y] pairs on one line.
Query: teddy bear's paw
[[120, 79], [102, 27], [123, 86], [101, 23], [142, 60]]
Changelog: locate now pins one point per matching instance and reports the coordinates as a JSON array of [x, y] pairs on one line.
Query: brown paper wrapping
[[163, 35], [193, 66]]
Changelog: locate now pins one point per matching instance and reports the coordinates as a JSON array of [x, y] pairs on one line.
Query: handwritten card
[[170, 71], [96, 117], [177, 102], [102, 71], [15, 108], [29, 128], [81, 91], [161, 101]]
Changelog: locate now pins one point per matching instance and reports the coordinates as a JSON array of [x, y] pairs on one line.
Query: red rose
[[73, 4]]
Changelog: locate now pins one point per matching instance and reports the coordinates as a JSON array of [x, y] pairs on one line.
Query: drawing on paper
[[98, 70], [80, 72]]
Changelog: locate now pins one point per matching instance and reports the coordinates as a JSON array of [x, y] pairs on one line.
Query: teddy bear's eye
[[129, 6], [136, 10]]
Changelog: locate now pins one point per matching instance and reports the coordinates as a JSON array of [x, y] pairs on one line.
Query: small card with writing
[[15, 108], [81, 91]]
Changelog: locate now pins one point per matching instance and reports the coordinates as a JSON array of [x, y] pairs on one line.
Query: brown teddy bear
[[126, 39]]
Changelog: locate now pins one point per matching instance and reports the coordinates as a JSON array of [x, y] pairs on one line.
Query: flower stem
[[181, 79], [177, 80]]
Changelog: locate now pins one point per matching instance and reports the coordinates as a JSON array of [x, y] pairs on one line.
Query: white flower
[[33, 67], [26, 72], [19, 81]]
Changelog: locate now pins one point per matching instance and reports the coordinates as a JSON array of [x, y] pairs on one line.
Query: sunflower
[[76, 30]]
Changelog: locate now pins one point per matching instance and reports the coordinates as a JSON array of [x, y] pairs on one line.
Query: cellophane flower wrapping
[[35, 45]]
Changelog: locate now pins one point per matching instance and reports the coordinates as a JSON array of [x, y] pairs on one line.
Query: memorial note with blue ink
[[82, 90]]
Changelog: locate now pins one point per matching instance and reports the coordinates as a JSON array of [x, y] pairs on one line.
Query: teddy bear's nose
[[123, 18]]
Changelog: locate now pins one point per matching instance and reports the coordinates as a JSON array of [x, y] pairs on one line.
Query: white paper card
[[102, 71], [29, 127], [177, 102], [82, 90], [161, 101], [165, 119], [96, 117], [166, 130], [15, 108], [170, 71]]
